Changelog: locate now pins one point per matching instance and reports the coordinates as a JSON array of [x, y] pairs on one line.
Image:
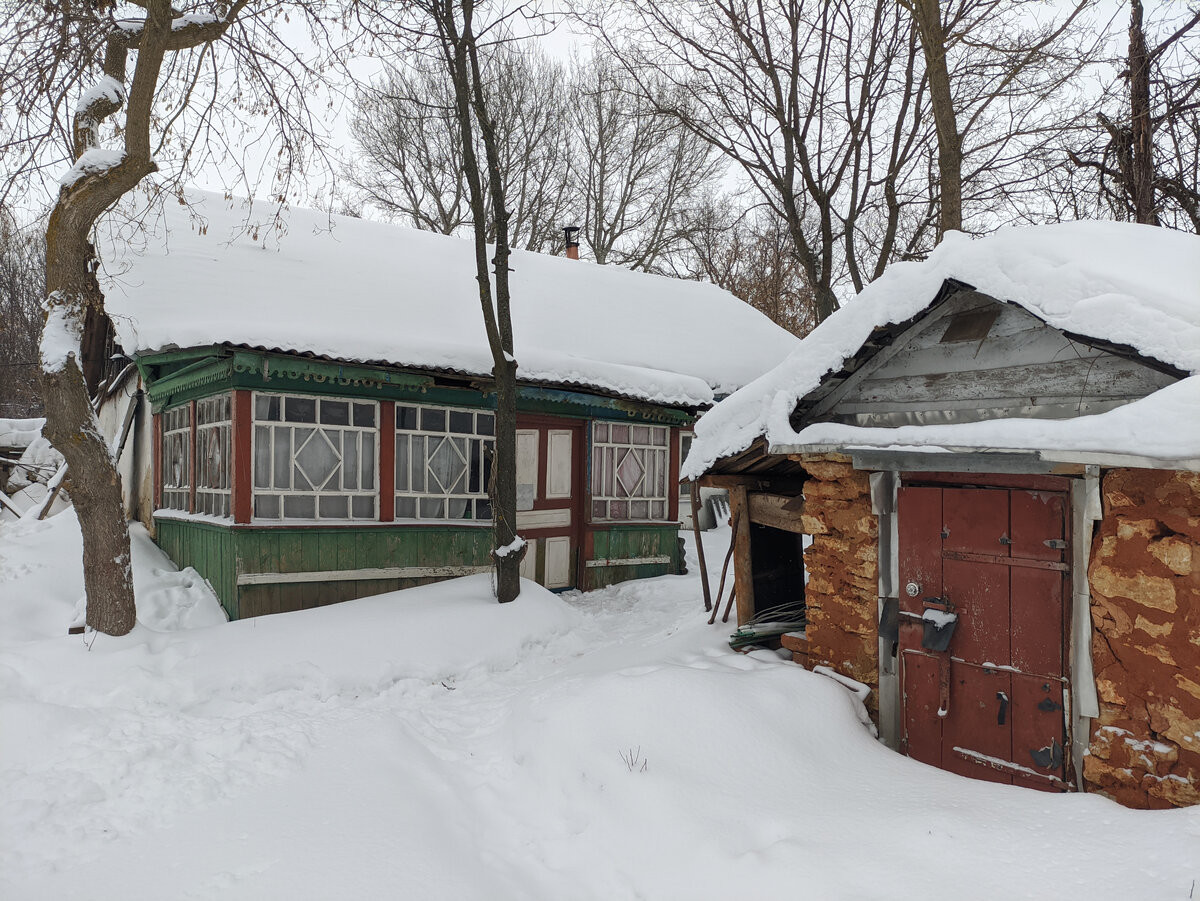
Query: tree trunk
[[508, 568], [933, 43], [1141, 186], [72, 427]]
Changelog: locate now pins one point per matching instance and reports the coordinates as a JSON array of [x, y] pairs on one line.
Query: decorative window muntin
[[176, 457], [630, 466], [443, 462], [315, 458], [214, 423], [685, 488]]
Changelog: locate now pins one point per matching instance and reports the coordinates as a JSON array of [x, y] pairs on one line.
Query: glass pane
[[406, 417], [658, 510], [602, 431], [658, 436], [641, 434], [366, 479], [335, 506], [639, 509], [458, 508], [406, 507], [266, 408], [463, 423], [475, 481], [363, 506], [618, 510], [418, 463], [283, 457], [597, 473], [349, 460], [485, 424], [431, 508], [402, 462], [660, 474], [442, 461], [335, 412], [433, 420], [300, 409], [302, 506], [598, 509], [266, 506], [483, 509], [317, 457], [364, 415], [488, 453], [620, 434]]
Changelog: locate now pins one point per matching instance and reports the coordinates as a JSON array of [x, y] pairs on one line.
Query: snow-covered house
[[996, 453], [320, 411]]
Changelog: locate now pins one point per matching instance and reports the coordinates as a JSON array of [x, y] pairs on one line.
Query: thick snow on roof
[[370, 292], [1127, 284]]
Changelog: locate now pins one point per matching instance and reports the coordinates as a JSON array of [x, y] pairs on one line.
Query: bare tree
[[78, 75], [750, 255], [411, 163], [814, 102], [452, 35], [1143, 162], [637, 174], [22, 287], [992, 104]]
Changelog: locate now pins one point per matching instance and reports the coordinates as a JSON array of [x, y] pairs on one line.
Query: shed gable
[[973, 358]]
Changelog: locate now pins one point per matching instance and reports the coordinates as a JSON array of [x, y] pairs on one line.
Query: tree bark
[[1141, 186], [928, 17]]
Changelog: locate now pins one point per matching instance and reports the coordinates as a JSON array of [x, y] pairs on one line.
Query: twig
[[733, 524], [729, 606], [52, 489], [694, 495]]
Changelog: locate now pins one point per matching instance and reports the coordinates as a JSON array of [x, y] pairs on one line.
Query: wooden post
[[387, 461], [743, 574], [694, 492], [241, 487]]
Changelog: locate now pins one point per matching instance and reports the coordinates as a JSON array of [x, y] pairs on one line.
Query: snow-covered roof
[[1134, 285], [370, 292]]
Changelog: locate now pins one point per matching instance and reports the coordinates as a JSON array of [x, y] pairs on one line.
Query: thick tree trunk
[[933, 43], [72, 427], [508, 568], [1141, 183]]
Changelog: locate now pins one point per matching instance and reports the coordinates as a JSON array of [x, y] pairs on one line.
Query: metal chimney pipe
[[572, 245]]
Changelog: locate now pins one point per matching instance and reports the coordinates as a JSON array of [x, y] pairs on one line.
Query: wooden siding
[[301, 550], [623, 542], [207, 548], [1019, 366]]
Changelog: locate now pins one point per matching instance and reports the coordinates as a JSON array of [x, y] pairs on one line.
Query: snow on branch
[[106, 89], [91, 162]]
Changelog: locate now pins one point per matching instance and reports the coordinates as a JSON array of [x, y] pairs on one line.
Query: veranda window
[[213, 423], [629, 471], [443, 462], [176, 454], [314, 458]]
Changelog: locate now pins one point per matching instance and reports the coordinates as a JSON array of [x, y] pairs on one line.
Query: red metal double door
[[990, 705]]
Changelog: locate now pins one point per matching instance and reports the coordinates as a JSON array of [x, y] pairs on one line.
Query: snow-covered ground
[[431, 744]]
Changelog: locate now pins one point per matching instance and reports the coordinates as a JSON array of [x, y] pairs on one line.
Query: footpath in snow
[[431, 744]]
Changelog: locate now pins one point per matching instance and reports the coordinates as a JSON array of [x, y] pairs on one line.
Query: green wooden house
[[311, 405]]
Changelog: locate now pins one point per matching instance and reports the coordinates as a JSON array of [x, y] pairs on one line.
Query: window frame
[[607, 449], [175, 437], [219, 495], [272, 426], [479, 500]]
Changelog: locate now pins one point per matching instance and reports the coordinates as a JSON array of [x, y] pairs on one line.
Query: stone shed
[[982, 476]]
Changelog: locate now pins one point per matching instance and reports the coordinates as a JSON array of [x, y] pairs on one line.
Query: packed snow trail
[[432, 744]]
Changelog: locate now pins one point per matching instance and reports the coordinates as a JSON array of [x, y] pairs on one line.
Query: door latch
[[1003, 712], [1057, 544]]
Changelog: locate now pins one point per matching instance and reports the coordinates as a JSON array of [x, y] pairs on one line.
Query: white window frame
[[611, 499], [431, 501], [214, 462], [176, 447], [271, 496]]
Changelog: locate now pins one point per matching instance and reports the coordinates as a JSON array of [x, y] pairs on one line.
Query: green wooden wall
[[316, 549], [220, 553], [207, 548], [618, 542]]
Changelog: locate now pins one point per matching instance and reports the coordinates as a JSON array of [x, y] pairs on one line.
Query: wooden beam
[[751, 482], [743, 573], [778, 511]]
